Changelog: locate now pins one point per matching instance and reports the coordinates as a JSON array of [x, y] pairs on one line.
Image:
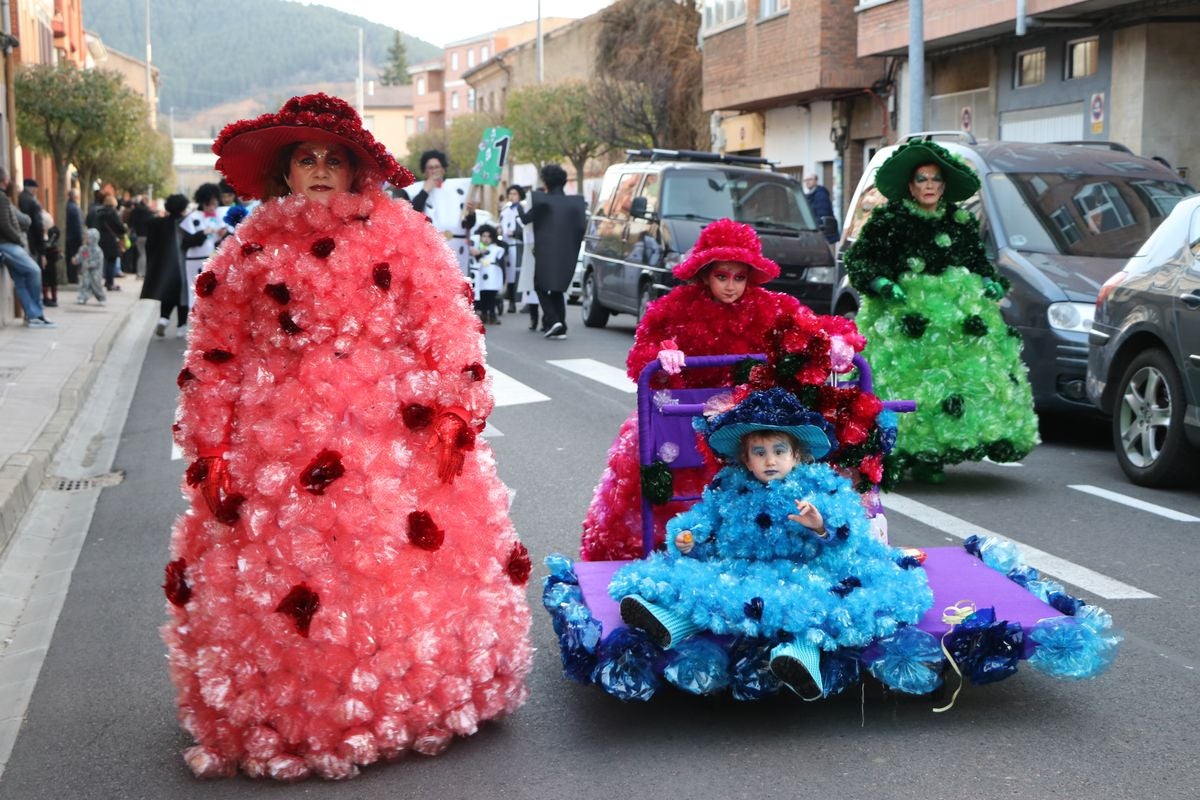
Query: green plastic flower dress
[[931, 315]]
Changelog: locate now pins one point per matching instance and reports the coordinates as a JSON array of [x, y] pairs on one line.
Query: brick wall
[[805, 54]]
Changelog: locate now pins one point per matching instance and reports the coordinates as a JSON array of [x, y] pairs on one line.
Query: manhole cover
[[60, 484]]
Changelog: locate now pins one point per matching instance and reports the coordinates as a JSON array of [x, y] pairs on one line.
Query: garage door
[[1048, 124]]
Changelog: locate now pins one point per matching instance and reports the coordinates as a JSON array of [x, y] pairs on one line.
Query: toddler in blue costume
[[779, 548]]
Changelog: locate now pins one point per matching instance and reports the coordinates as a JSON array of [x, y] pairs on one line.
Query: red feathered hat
[[726, 240], [246, 149]]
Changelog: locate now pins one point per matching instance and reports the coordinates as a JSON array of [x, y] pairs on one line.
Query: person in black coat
[[559, 221], [108, 222], [28, 203], [819, 202], [165, 280], [74, 234]]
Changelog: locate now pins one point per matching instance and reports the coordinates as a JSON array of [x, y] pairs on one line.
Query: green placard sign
[[493, 153]]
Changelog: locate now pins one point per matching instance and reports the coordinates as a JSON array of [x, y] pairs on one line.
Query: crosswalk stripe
[[597, 371], [176, 453], [509, 391], [1133, 502], [1084, 578]]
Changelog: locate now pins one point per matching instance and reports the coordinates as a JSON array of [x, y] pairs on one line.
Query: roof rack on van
[[965, 136], [1116, 146], [658, 154]]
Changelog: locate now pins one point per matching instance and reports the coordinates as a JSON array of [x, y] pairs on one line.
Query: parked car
[[575, 292], [651, 209], [1057, 220], [1144, 354]]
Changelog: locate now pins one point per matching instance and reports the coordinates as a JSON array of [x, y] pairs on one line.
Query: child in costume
[[779, 547], [90, 259], [487, 273], [722, 307], [931, 308], [346, 585]]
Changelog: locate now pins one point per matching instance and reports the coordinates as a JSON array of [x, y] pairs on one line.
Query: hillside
[[220, 52]]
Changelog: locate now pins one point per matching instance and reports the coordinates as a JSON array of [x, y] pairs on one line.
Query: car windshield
[[764, 200], [1107, 216]]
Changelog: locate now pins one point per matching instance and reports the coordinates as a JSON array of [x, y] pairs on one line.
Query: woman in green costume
[[931, 312]]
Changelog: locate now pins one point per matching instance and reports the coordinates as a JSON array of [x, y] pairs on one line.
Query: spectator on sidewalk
[[90, 259], [74, 234], [112, 232], [26, 275], [28, 203], [819, 202], [139, 221]]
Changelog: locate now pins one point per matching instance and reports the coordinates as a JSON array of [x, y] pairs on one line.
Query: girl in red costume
[[346, 585], [722, 308]]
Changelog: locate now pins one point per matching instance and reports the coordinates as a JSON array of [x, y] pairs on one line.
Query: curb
[[22, 473]]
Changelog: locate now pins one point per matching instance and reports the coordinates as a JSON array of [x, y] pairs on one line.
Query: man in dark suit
[[559, 221], [819, 202], [28, 203]]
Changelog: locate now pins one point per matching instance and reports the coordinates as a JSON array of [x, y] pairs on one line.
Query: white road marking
[[176, 452], [1133, 502], [1003, 463], [508, 391], [490, 431], [597, 371], [1074, 574]]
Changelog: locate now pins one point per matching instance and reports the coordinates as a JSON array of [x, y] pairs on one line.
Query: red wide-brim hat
[[726, 240], [246, 149]]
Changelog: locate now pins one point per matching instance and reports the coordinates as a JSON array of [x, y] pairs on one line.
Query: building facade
[[389, 115]]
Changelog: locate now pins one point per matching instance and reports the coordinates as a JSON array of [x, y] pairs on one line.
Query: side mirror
[[638, 209], [829, 226]]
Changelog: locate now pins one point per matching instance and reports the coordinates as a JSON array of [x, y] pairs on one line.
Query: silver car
[[1144, 353]]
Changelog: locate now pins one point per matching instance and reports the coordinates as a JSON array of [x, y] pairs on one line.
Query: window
[[202, 149], [718, 13], [470, 98], [483, 53], [471, 58], [420, 86], [454, 100], [1083, 58], [769, 8], [421, 124], [454, 60], [1031, 67]]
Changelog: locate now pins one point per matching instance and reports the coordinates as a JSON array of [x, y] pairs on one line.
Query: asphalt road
[[101, 721]]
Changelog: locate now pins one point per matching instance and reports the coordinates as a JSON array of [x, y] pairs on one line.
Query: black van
[[1057, 220], [651, 209]]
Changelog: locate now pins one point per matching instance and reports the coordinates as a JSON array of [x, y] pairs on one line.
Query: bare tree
[[649, 75]]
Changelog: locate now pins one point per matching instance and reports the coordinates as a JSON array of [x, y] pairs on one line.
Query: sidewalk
[[44, 377]]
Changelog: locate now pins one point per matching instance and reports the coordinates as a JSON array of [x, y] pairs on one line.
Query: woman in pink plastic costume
[[722, 308], [346, 585]]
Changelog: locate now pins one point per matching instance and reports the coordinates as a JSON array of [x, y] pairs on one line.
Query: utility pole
[[150, 99], [916, 65], [359, 83], [541, 66]]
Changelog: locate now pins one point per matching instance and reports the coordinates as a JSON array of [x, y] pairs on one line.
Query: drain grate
[[60, 484]]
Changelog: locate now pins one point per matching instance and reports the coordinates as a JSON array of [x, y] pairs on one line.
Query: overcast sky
[[452, 20]]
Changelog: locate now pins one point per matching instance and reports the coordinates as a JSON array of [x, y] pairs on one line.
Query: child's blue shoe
[[665, 627], [798, 666]]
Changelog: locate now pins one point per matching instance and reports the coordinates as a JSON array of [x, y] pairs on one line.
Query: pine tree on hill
[[396, 71]]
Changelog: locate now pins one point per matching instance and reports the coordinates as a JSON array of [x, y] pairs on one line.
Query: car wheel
[[594, 314], [847, 309], [644, 297], [1147, 422]]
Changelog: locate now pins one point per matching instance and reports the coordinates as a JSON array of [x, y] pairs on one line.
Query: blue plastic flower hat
[[773, 409]]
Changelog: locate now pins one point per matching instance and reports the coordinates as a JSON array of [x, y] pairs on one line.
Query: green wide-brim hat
[[894, 174]]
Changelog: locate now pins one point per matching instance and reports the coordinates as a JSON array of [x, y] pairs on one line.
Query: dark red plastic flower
[[197, 471], [278, 292], [226, 511], [416, 416], [217, 355], [175, 586], [288, 324], [301, 604], [250, 248], [322, 471], [423, 531], [519, 566], [476, 371], [382, 275], [206, 284], [185, 375], [321, 248]]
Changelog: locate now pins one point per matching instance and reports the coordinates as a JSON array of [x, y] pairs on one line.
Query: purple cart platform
[[954, 575]]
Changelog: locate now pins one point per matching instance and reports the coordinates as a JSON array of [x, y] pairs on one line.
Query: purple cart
[[1018, 614]]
